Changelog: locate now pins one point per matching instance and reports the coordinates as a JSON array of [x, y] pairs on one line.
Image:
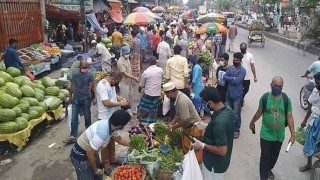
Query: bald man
[[151, 83], [277, 113], [80, 98]]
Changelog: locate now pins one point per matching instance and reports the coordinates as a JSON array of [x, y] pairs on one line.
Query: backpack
[[285, 101]]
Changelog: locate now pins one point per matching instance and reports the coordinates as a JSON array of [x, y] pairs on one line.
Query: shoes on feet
[[270, 175]]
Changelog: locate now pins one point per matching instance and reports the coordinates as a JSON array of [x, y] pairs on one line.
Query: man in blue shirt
[[144, 42], [11, 58], [235, 77]]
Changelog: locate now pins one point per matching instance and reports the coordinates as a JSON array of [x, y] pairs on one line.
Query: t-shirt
[[143, 39], [105, 57], [117, 38], [247, 60], [314, 99], [105, 92], [96, 136], [219, 74], [185, 109], [81, 84], [219, 132], [315, 67], [273, 119]]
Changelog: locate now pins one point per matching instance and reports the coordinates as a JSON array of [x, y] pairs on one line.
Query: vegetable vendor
[[186, 115], [84, 154]]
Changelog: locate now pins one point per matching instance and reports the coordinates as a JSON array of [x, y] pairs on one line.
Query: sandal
[[69, 141], [304, 168]]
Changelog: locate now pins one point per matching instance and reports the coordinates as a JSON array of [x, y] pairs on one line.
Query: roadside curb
[[311, 49]]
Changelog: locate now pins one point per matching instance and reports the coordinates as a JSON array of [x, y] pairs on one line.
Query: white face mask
[[221, 63], [116, 133], [126, 56]]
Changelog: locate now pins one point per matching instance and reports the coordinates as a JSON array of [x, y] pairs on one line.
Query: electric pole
[[84, 25]]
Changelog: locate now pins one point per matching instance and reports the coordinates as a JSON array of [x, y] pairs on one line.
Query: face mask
[[221, 63], [116, 133], [115, 84], [318, 87], [243, 51], [84, 70], [236, 64], [126, 56], [275, 90]]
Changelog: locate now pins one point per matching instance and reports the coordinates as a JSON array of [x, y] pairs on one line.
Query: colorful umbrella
[[158, 9], [138, 18], [154, 16], [173, 7], [140, 9], [211, 17], [212, 28]]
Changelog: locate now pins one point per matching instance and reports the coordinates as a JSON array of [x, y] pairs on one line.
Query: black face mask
[[236, 64], [115, 84], [318, 87], [243, 50]]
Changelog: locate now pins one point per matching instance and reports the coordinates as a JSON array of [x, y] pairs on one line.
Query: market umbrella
[[172, 8], [154, 16], [140, 9], [158, 9], [211, 17], [212, 28], [138, 18]]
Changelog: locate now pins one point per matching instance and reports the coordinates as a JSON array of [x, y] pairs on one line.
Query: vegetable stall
[[25, 103]]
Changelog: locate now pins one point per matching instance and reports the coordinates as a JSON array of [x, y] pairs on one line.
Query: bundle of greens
[[160, 130], [138, 142], [169, 160], [207, 57], [175, 138]]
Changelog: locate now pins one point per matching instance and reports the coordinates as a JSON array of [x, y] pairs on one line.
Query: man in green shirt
[[273, 127], [218, 136]]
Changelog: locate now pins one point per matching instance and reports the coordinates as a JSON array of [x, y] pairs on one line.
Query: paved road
[[37, 161]]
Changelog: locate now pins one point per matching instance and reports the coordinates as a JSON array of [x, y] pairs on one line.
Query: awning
[[132, 2], [116, 15], [55, 13], [99, 6]]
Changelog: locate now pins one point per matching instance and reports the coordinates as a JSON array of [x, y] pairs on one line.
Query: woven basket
[[144, 173]]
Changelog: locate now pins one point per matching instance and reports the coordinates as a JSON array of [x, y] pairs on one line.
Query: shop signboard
[[71, 4]]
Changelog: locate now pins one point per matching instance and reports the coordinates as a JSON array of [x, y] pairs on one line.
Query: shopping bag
[[166, 105], [30, 75], [191, 168], [152, 167], [301, 135], [69, 109]]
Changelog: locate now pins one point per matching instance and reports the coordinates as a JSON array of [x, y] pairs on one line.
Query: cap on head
[[93, 42], [168, 86], [125, 50]]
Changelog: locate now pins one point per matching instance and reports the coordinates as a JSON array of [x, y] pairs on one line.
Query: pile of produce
[[107, 42], [98, 75], [22, 100], [126, 40], [129, 172], [207, 57]]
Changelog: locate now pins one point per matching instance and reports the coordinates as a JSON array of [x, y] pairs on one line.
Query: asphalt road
[[38, 161]]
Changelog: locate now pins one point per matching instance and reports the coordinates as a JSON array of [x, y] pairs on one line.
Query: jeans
[[222, 49], [269, 155], [84, 170], [246, 85], [76, 106], [235, 104]]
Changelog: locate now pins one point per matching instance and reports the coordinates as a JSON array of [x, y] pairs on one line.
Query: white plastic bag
[[191, 168], [69, 108], [166, 105]]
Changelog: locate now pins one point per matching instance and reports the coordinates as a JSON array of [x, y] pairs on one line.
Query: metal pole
[[44, 20], [84, 25]]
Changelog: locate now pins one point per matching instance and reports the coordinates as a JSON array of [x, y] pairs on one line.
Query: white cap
[[168, 86], [142, 28], [93, 42]]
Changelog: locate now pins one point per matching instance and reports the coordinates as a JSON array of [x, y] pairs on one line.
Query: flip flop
[[304, 168], [69, 141]]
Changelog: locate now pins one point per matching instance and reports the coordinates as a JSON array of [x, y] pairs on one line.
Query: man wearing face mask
[[313, 125], [222, 86], [234, 76], [248, 64], [218, 136], [103, 53], [185, 115], [11, 58], [275, 117], [108, 102], [80, 97], [129, 84], [85, 152]]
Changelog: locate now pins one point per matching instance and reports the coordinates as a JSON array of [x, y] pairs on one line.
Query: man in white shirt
[[108, 102], [151, 82], [164, 51], [248, 64], [103, 53]]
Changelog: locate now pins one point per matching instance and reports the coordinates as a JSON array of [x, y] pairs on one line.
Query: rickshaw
[[256, 33]]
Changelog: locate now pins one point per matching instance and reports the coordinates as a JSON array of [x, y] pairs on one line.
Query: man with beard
[[108, 102], [277, 112], [234, 77], [248, 64]]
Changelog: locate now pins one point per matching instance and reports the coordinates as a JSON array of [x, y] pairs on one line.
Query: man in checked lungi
[[151, 84], [186, 116]]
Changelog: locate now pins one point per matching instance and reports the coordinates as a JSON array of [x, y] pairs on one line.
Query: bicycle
[[305, 92]]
